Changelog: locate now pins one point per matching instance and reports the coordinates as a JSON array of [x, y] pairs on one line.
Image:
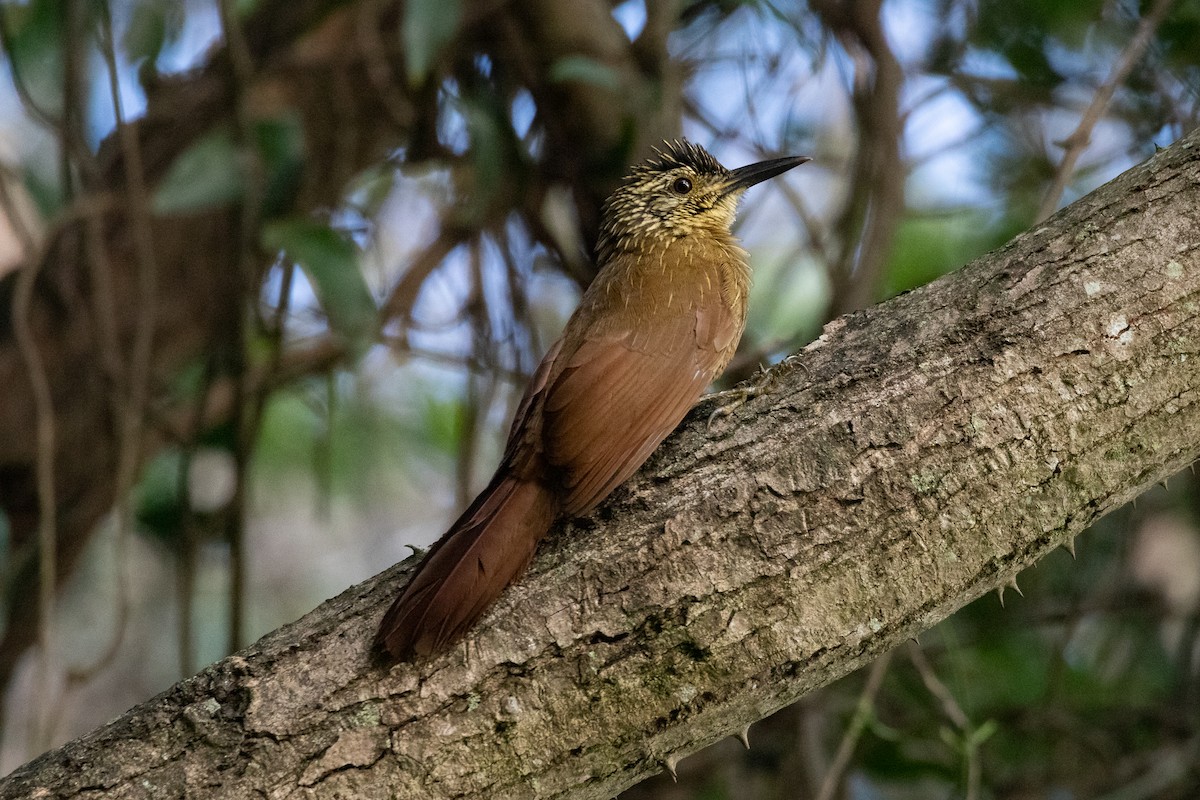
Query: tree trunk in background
[[919, 454]]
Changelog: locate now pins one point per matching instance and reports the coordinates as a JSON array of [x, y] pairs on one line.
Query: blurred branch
[[405, 352], [970, 737], [469, 417], [240, 77], [72, 150], [950, 706], [75, 154], [129, 397], [920, 454], [1077, 142], [47, 503], [381, 69], [864, 709], [1172, 767], [527, 350], [867, 224], [400, 302], [181, 422]]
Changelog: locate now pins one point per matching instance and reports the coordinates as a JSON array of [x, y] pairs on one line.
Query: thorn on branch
[[743, 736], [1069, 545]]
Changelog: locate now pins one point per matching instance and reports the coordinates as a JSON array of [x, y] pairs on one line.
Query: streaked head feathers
[[680, 153], [673, 193]]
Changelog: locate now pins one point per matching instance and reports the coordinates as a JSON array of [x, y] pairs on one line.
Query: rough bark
[[916, 456]]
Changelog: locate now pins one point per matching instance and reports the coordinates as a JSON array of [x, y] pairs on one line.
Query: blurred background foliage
[[405, 197]]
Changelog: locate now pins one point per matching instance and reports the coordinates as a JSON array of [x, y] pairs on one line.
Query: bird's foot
[[731, 400], [419, 552]]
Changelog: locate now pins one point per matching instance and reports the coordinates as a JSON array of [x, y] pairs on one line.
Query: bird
[[657, 325]]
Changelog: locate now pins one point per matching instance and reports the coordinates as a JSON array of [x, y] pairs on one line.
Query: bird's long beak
[[745, 177]]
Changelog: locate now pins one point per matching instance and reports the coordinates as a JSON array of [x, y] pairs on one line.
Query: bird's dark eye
[[681, 186]]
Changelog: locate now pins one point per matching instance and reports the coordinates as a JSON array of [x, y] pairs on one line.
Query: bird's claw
[[760, 384]]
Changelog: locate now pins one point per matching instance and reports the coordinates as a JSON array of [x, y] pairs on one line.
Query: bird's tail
[[488, 548]]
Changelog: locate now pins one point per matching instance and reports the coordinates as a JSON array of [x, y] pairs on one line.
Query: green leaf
[[206, 175], [152, 25], [428, 26], [582, 69], [44, 189], [331, 263], [372, 188], [488, 156], [209, 173], [280, 144], [928, 247], [158, 504], [35, 57]]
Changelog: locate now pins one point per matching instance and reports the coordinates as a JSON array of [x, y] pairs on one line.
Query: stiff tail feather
[[488, 548]]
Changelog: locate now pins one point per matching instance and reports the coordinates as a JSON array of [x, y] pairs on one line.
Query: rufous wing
[[619, 394]]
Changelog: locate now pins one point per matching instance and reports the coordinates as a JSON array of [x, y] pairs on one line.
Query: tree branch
[[917, 455], [1074, 145], [875, 206]]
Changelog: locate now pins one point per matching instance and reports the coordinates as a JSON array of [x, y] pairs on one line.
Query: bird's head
[[682, 190]]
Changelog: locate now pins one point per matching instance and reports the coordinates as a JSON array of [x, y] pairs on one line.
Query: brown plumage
[[659, 323]]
